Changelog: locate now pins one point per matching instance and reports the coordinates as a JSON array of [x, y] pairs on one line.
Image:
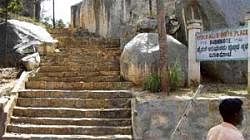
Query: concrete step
[[86, 94], [18, 136], [79, 79], [74, 103], [77, 74], [71, 112], [78, 85], [72, 121], [69, 129], [79, 68]]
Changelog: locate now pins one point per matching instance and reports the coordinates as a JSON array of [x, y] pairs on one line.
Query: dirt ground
[[7, 79]]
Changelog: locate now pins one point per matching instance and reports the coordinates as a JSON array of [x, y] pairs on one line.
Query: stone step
[[86, 94], [88, 63], [71, 112], [74, 103], [91, 49], [78, 85], [76, 42], [75, 57], [78, 79], [78, 74], [18, 136], [69, 129], [83, 44], [84, 53], [83, 64], [86, 59], [77, 68], [72, 121]]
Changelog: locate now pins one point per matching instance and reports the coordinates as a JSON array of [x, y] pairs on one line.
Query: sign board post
[[248, 66], [194, 26], [225, 44]]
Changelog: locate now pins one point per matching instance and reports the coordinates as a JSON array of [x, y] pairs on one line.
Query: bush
[[175, 76], [152, 83]]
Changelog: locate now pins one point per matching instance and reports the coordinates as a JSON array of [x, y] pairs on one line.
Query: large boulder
[[23, 38], [140, 57]]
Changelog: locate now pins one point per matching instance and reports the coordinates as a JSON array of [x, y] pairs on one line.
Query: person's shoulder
[[217, 127], [236, 134], [214, 129]]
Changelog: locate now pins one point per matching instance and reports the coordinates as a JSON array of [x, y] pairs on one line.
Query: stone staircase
[[77, 94]]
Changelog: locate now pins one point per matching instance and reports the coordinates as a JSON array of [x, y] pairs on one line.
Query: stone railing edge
[[7, 108]]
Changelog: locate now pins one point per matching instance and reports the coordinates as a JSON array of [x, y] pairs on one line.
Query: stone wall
[[155, 118]]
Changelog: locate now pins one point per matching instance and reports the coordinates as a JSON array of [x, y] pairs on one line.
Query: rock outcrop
[[110, 18], [140, 57], [22, 40]]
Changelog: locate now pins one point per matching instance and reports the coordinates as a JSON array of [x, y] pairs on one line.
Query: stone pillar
[[248, 68], [193, 26]]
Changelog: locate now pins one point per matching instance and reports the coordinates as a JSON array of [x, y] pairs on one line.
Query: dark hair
[[229, 107]]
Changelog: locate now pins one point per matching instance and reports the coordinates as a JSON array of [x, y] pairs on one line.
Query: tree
[[54, 20], [60, 23], [161, 13], [37, 9], [150, 8], [13, 6]]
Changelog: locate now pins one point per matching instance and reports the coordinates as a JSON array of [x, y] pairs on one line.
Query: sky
[[62, 9]]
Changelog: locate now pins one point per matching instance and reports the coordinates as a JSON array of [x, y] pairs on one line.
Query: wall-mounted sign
[[227, 44]]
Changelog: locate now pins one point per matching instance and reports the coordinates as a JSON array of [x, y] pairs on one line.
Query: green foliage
[[175, 76], [15, 6], [152, 83], [46, 22], [60, 24]]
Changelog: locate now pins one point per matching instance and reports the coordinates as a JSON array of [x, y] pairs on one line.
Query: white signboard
[[228, 44]]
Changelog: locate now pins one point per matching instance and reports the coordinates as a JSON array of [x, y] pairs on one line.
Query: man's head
[[231, 111]]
